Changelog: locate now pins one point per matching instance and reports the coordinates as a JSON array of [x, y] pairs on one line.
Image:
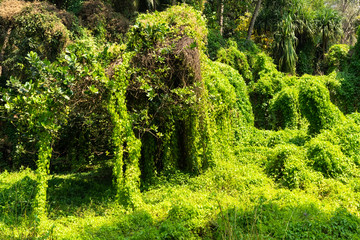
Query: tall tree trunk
[[2, 52], [324, 42], [253, 19], [221, 16]]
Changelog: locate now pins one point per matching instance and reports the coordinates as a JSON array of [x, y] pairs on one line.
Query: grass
[[234, 200]]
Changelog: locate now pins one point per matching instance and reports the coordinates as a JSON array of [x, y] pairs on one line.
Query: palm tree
[[328, 24], [285, 45]]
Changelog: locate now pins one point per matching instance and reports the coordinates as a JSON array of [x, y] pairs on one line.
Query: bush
[[328, 159], [237, 90], [270, 139], [103, 21], [229, 107], [215, 42], [284, 109], [165, 87], [287, 166], [346, 135], [337, 57], [260, 95], [263, 65], [348, 93], [236, 59], [267, 83], [38, 29], [79, 92], [354, 117], [316, 106]]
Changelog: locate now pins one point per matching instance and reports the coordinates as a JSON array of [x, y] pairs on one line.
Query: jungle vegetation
[[169, 119]]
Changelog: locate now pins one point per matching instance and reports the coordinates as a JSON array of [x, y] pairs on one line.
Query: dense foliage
[[168, 124]]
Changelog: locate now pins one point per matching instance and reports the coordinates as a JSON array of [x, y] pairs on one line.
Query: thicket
[[103, 20], [37, 27], [284, 109], [157, 138], [302, 32], [236, 59], [165, 103], [315, 105]]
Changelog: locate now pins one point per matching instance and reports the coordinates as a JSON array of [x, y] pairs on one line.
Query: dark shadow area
[[71, 194]]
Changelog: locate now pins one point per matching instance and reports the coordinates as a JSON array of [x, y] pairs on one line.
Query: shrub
[[354, 117], [346, 135], [263, 65], [38, 29], [260, 95], [236, 59], [165, 87], [267, 83], [215, 42], [287, 166], [316, 106], [337, 57], [85, 139], [246, 46], [237, 90], [348, 93], [270, 139], [327, 158], [103, 21], [85, 134], [284, 109]]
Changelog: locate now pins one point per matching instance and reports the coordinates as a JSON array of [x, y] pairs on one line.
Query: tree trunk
[[253, 18], [2, 52], [324, 42], [221, 16]]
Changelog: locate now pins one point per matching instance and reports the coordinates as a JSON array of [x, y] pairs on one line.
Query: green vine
[[38, 108], [126, 170], [43, 163]]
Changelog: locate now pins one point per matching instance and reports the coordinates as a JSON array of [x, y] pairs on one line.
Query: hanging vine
[[38, 108], [126, 169]]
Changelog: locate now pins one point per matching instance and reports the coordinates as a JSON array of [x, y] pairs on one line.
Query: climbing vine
[[38, 108], [125, 143], [159, 103]]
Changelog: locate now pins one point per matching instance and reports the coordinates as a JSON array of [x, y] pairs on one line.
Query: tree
[[253, 19], [221, 16], [285, 46], [349, 10], [38, 108], [328, 23]]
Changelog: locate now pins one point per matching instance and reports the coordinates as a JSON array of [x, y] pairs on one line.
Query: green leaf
[[93, 89]]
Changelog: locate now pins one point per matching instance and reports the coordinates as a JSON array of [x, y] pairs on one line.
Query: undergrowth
[[152, 139]]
